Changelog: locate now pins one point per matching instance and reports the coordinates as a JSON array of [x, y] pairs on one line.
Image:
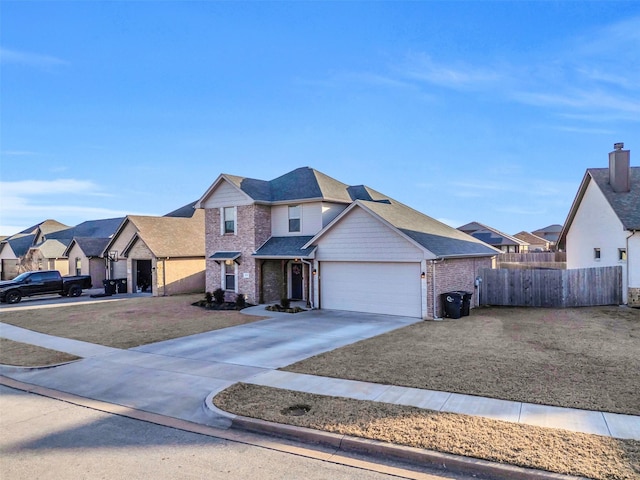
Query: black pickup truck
[[42, 282]]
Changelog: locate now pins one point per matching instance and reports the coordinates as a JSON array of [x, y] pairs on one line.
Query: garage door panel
[[387, 288]]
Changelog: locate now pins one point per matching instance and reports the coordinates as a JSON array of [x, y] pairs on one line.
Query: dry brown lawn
[[127, 323], [584, 358], [559, 451]]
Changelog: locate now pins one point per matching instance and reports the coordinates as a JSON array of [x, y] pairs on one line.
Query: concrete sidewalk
[[175, 377]]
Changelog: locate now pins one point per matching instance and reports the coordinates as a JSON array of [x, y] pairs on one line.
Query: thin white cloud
[[16, 153], [8, 56], [423, 68], [68, 186]]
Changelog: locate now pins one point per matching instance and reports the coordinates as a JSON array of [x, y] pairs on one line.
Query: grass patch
[[25, 355], [129, 322], [559, 451], [583, 358]]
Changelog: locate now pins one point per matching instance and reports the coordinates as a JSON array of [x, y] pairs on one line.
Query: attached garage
[[373, 287]]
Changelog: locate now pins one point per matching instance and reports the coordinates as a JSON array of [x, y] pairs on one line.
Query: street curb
[[442, 461], [338, 443]]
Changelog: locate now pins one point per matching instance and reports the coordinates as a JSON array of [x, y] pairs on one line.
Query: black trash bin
[[122, 285], [466, 303], [109, 287], [452, 304]]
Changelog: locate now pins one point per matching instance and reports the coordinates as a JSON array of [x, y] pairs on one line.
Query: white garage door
[[388, 288]]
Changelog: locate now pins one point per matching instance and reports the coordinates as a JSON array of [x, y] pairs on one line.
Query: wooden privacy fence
[[581, 287]]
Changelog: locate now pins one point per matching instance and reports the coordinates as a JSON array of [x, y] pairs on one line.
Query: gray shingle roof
[[186, 211], [20, 245], [300, 184], [285, 247], [490, 235], [90, 246], [437, 237], [91, 228], [625, 204], [225, 255]]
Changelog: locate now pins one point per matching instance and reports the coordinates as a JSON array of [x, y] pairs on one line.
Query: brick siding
[[453, 274]]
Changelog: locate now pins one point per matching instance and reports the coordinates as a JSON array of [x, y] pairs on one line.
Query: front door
[[296, 281]]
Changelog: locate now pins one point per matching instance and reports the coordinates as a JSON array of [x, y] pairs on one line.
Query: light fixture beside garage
[[423, 275]]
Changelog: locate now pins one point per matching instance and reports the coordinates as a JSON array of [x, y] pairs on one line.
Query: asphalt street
[[45, 438]]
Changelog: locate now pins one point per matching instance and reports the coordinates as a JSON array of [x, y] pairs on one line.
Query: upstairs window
[[229, 220], [622, 254], [596, 254], [294, 218]]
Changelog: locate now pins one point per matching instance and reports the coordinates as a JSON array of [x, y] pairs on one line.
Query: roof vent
[[620, 169]]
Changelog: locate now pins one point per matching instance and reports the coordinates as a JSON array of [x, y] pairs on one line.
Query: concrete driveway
[[174, 377]]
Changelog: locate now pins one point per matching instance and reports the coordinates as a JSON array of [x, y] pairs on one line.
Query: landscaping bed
[[560, 451], [583, 358]]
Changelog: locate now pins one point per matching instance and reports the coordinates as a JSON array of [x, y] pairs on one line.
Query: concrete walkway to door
[[174, 377]]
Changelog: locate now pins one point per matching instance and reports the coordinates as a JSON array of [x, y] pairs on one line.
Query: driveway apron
[[174, 377]]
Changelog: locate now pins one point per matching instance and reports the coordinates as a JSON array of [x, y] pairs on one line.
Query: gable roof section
[[20, 244], [490, 235], [439, 239], [91, 247], [626, 205], [51, 248], [530, 238], [169, 236], [301, 184]]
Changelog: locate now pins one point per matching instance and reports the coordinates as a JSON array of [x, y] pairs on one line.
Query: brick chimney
[[620, 169]]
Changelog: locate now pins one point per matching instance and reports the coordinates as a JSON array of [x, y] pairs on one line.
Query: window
[[622, 254], [294, 218], [228, 220], [230, 275], [596, 253], [78, 266]]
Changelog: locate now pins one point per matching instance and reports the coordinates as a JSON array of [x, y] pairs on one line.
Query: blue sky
[[467, 111]]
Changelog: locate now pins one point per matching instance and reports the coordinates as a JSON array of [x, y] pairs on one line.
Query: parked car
[[42, 282]]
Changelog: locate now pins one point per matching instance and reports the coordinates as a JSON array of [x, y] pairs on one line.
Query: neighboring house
[[84, 255], [12, 251], [495, 238], [535, 243], [15, 248], [603, 225], [47, 255], [306, 236], [163, 255], [51, 248], [550, 233]]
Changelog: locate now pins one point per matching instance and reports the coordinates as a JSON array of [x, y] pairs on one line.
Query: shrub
[[208, 297], [218, 294], [240, 301], [285, 302]]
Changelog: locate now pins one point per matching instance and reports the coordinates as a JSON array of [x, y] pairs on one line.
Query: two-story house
[[307, 236], [603, 225]]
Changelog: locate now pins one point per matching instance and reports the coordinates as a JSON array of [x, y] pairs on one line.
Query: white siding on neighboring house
[[226, 195], [633, 255], [360, 237], [310, 221], [596, 226]]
